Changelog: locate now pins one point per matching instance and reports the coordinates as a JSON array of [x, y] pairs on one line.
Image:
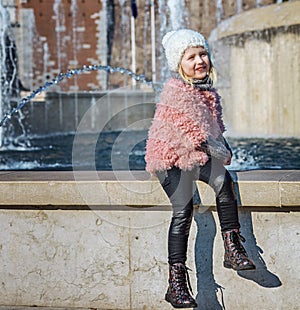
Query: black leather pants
[[178, 185]]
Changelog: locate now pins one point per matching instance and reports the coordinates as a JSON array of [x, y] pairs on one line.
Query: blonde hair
[[212, 74]]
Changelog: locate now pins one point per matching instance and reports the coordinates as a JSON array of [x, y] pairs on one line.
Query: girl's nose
[[199, 59]]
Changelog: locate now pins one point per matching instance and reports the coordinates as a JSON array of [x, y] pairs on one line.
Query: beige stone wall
[[99, 240], [107, 260], [258, 61], [265, 93]]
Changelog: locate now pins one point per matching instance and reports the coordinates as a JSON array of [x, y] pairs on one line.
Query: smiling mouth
[[200, 69]]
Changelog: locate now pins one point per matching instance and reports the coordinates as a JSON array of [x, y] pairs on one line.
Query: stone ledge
[[257, 188], [271, 16]]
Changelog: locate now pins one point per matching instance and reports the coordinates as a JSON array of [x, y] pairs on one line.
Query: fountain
[[14, 134], [61, 112], [74, 238], [6, 78], [257, 60]]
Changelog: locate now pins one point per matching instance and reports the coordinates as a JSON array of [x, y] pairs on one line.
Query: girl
[[186, 143]]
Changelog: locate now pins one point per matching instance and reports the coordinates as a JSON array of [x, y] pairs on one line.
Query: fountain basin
[[125, 150], [102, 236], [61, 113], [268, 17]]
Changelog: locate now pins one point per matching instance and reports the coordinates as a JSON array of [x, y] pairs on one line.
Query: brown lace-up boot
[[178, 293], [235, 256]]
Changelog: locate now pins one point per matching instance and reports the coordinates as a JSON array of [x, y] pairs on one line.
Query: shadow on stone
[[208, 289], [211, 294], [261, 275]]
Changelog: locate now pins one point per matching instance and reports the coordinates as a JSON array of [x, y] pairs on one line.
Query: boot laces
[[188, 278], [239, 245], [234, 241], [183, 278], [241, 237]]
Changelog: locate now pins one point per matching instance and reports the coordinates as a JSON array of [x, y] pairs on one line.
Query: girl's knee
[[222, 181], [181, 222]]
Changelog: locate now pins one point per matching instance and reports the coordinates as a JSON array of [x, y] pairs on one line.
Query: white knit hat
[[176, 42]]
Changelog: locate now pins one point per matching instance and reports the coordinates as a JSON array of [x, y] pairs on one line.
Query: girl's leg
[[178, 185], [215, 174]]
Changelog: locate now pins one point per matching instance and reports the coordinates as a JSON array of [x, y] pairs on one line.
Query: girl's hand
[[227, 161]]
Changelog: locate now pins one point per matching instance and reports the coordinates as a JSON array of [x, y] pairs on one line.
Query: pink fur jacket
[[184, 118]]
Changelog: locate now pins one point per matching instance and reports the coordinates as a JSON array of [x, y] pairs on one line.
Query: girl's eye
[[189, 57]]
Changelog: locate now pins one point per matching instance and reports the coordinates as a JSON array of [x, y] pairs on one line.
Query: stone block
[[258, 19], [259, 194], [54, 260], [290, 189], [290, 194], [117, 259], [136, 188]]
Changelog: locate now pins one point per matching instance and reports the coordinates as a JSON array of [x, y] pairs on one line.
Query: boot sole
[[179, 306], [229, 266]]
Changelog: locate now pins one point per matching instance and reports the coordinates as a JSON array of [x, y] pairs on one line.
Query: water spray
[[70, 73]]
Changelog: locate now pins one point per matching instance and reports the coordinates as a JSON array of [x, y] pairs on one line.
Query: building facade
[[56, 35]]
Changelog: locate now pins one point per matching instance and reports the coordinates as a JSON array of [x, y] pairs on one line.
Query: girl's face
[[195, 63]]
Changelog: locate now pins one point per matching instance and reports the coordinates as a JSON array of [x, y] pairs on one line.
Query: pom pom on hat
[[176, 42]]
